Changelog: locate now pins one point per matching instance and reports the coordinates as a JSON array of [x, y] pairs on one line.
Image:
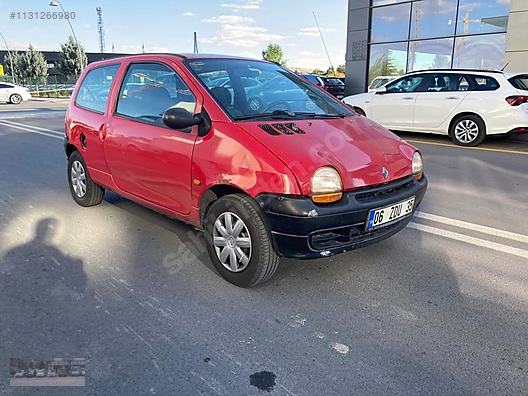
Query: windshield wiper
[[273, 114], [318, 115]]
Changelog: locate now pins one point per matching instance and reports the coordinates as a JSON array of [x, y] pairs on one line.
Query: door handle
[[103, 130], [408, 98], [451, 97]]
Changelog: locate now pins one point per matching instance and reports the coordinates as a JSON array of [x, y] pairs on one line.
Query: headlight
[[326, 185], [417, 165]]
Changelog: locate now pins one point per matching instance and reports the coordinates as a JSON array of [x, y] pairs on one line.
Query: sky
[[233, 27]]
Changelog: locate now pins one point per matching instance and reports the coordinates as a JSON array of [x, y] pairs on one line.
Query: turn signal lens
[[327, 198]]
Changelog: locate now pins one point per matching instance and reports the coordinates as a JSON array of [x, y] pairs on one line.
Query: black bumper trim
[[305, 230]]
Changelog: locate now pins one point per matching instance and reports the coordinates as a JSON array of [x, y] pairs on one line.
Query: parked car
[[315, 79], [75, 372], [51, 373], [31, 373], [467, 105], [83, 372], [380, 81], [12, 93], [20, 374], [334, 86], [62, 373], [262, 184], [41, 373]]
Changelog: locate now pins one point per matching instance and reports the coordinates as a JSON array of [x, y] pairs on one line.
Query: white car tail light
[[517, 100]]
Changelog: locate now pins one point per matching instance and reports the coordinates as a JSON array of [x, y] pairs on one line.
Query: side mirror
[[381, 90], [178, 118]]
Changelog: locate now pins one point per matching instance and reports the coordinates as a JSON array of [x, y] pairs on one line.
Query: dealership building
[[393, 37]]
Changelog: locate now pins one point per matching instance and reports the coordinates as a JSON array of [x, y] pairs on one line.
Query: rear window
[[520, 82], [334, 81]]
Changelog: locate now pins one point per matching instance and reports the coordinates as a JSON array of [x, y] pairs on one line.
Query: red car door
[[146, 158]]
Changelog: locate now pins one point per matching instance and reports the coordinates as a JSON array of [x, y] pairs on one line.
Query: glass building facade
[[408, 35], [425, 34]]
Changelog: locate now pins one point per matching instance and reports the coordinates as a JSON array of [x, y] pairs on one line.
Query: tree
[[382, 67], [15, 57], [273, 53], [317, 71], [69, 64], [32, 64], [341, 69], [330, 71]]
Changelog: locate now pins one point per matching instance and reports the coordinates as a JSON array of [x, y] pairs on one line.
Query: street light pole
[[56, 3], [10, 58]]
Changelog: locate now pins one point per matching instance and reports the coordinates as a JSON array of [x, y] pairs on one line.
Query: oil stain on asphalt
[[263, 380]]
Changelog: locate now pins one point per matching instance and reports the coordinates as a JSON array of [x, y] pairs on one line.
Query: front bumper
[[304, 230]]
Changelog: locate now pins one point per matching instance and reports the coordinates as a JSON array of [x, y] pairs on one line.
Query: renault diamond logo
[[385, 172]]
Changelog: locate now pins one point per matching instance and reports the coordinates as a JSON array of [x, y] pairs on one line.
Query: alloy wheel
[[78, 179]]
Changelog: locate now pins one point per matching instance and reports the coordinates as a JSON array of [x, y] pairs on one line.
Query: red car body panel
[[171, 170]]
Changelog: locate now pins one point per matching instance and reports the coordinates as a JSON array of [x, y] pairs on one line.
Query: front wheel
[[239, 242], [468, 130]]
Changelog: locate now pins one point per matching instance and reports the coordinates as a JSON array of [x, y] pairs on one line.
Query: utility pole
[[100, 29], [195, 44]]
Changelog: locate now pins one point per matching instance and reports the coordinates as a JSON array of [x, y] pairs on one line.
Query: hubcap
[[16, 99], [78, 179], [466, 131], [232, 242], [254, 104]]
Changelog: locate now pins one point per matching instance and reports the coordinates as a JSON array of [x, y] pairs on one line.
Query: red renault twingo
[[260, 159]]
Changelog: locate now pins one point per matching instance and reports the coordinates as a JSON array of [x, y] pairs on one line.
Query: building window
[[390, 23], [478, 52], [430, 54], [477, 18], [433, 18], [387, 60]]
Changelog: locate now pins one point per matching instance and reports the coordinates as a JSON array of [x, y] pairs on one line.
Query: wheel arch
[[215, 192], [70, 149], [462, 114]]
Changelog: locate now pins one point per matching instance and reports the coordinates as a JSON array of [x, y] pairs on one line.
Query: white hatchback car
[[15, 94], [467, 105], [41, 373]]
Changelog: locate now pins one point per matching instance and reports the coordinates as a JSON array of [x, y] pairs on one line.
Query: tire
[[468, 130], [259, 260], [83, 190], [254, 104], [359, 111], [15, 99]]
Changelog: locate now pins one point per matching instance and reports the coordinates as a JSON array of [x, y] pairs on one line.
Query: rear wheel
[[15, 99], [468, 130], [83, 190], [239, 242]]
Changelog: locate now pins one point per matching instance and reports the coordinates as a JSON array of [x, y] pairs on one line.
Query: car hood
[[356, 146]]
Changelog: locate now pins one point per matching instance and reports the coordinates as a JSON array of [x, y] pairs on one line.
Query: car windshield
[[520, 82], [255, 89]]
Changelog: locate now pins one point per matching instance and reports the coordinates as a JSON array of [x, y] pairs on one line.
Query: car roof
[[476, 71]]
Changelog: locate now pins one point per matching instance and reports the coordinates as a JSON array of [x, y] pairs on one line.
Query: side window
[[95, 88], [149, 89], [484, 83], [447, 82], [406, 84], [5, 86]]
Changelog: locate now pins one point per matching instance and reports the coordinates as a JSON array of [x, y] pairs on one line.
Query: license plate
[[383, 216]]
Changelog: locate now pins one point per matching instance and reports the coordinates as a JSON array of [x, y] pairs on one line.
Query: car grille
[[384, 189], [282, 129]]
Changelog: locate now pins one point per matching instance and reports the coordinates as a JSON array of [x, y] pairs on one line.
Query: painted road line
[[474, 227], [25, 129], [471, 240], [33, 127], [464, 147]]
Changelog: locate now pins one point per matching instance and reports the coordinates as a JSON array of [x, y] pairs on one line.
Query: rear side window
[[484, 83], [95, 88], [447, 82], [520, 82]]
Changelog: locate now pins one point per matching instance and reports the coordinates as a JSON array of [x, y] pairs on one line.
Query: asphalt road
[[438, 309], [55, 381]]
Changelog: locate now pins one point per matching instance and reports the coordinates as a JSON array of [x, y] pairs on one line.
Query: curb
[[49, 100]]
